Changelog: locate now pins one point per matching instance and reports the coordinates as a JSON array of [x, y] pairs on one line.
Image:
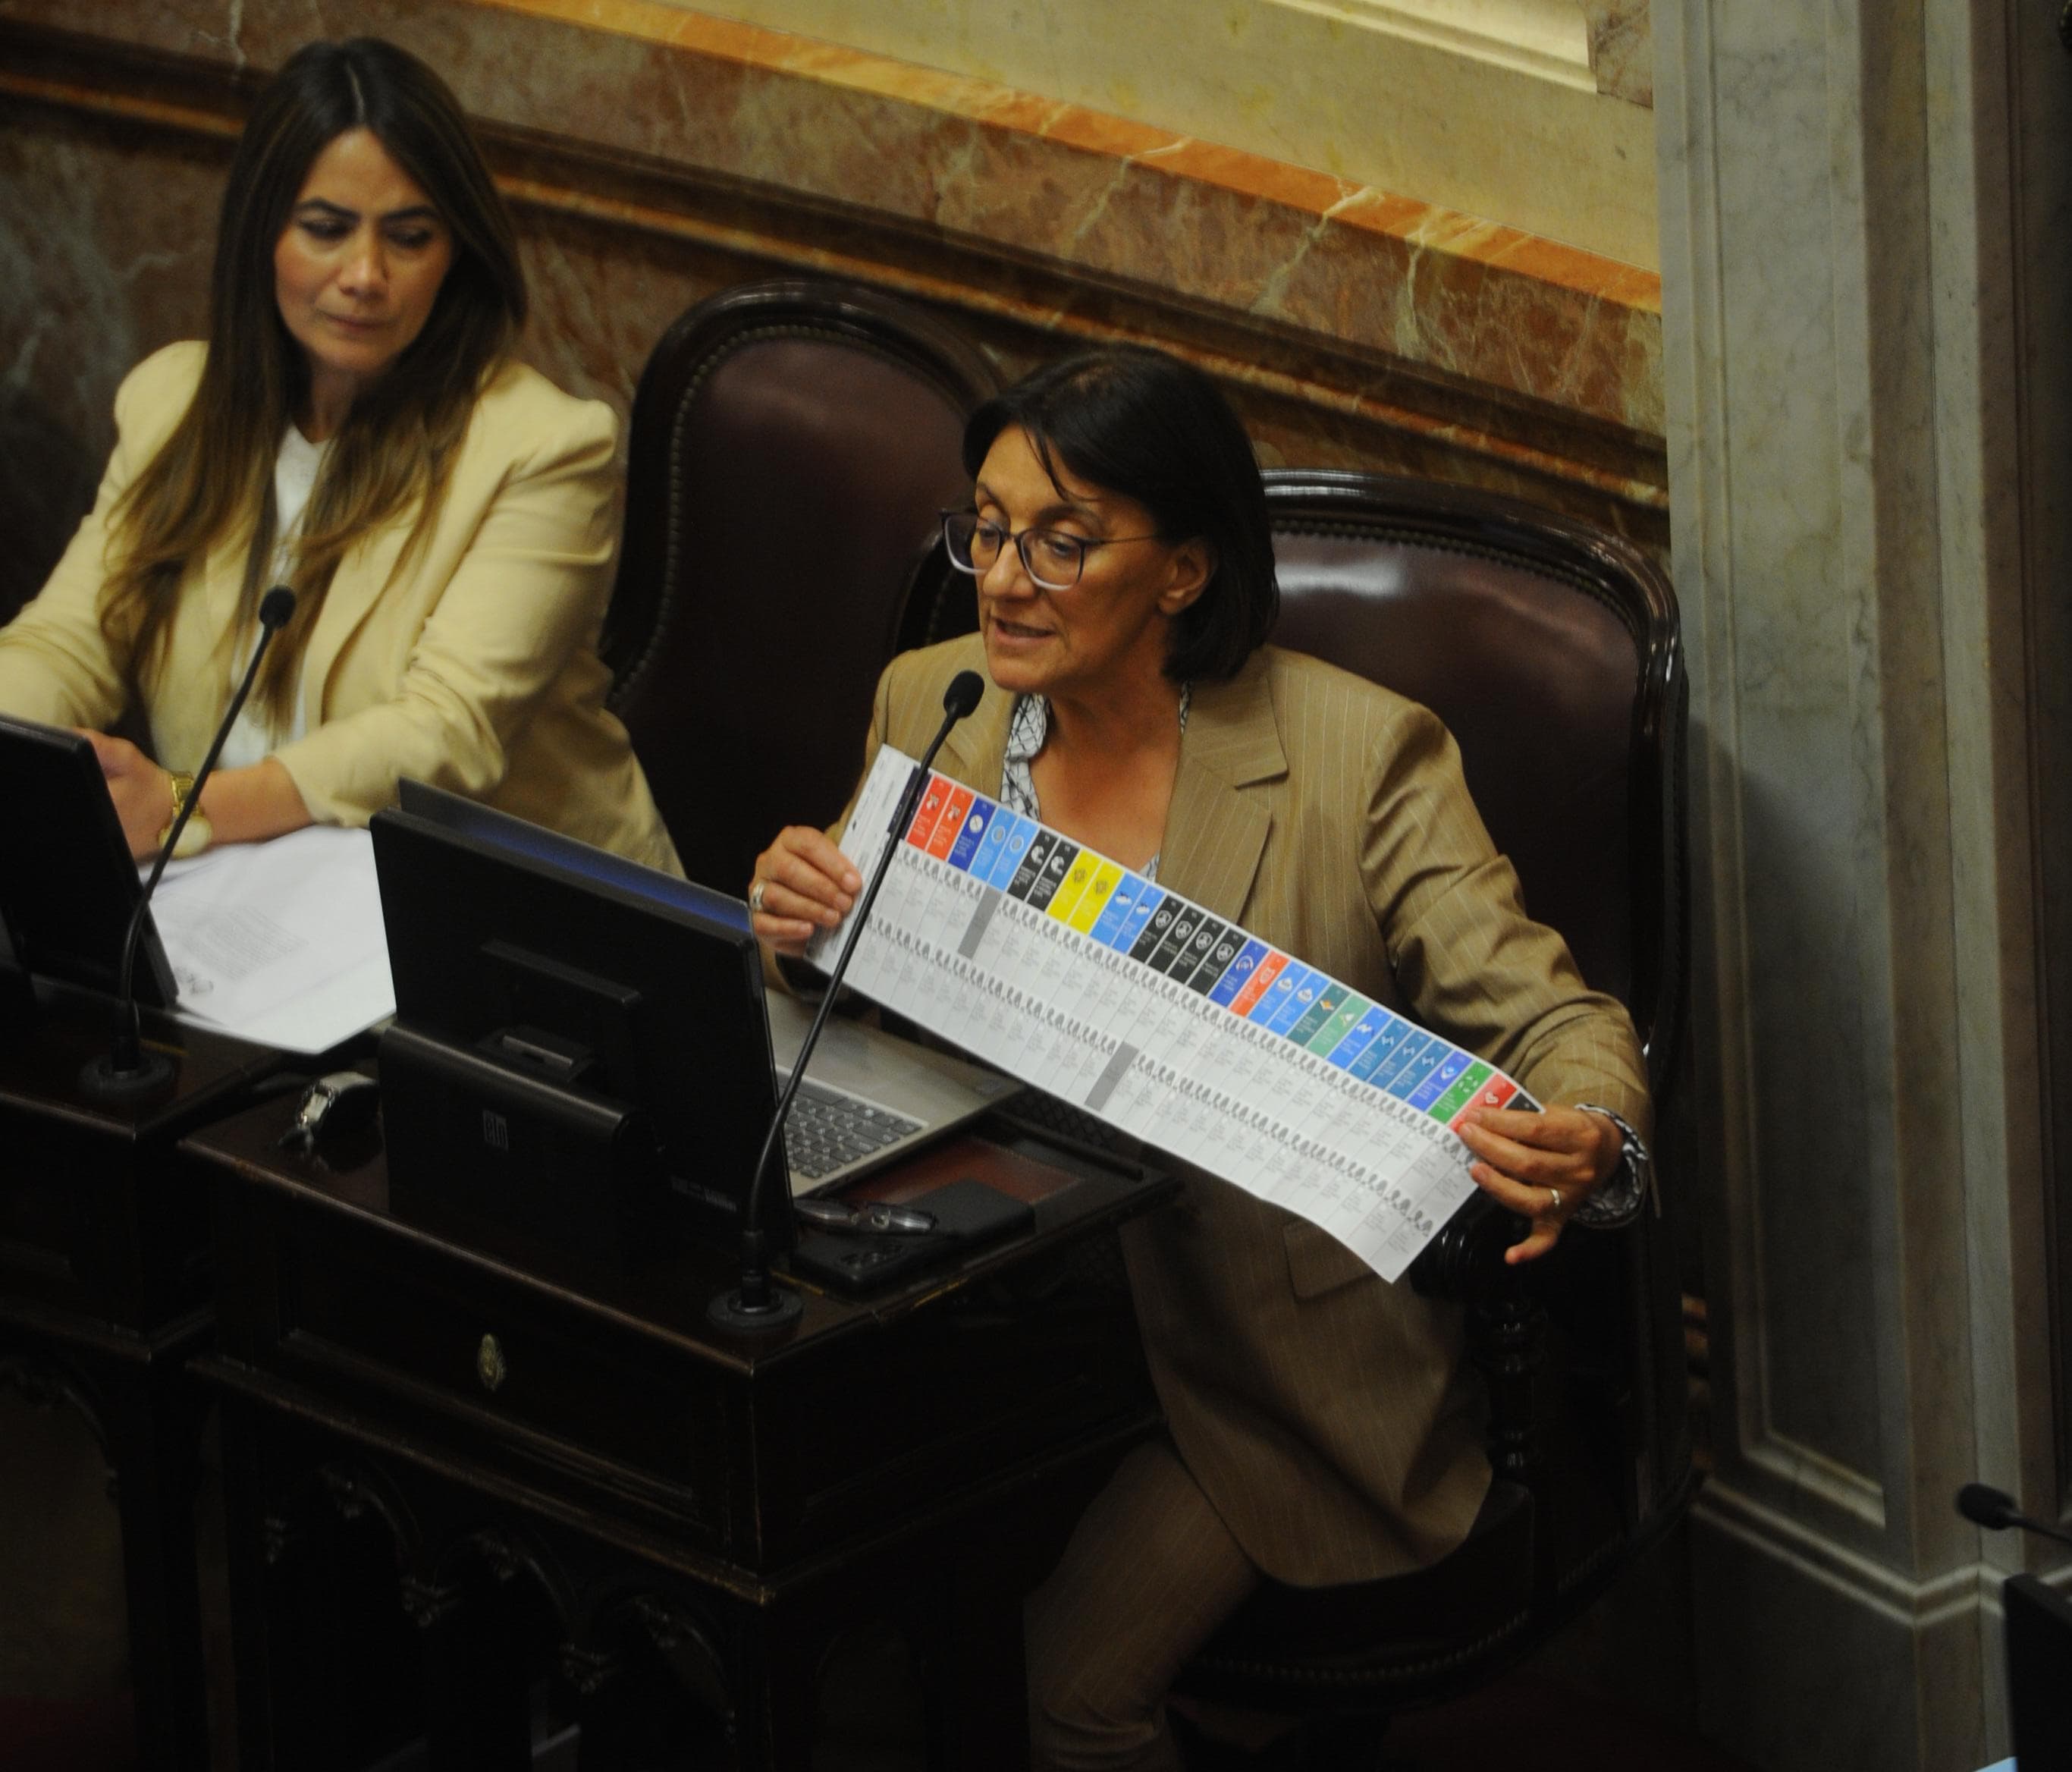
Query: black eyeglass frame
[[1082, 545]]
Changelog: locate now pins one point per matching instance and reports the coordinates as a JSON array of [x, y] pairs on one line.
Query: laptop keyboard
[[827, 1131]]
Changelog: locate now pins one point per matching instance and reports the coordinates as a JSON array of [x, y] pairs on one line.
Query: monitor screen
[[2039, 1652], [566, 982], [67, 884]]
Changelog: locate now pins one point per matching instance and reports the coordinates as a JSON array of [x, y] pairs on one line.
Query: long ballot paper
[[1097, 986]]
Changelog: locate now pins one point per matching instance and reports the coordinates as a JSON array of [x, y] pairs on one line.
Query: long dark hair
[[1134, 420], [214, 477]]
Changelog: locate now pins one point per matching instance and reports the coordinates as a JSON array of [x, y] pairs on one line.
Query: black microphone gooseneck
[[1995, 1509], [126, 1071], [755, 1304]]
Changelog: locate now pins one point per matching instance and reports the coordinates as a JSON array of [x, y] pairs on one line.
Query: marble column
[[1866, 388]]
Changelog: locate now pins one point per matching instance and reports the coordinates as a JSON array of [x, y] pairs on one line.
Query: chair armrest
[[1506, 1328], [1464, 1262]]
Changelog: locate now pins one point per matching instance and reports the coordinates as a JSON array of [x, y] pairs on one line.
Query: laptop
[[869, 1098]]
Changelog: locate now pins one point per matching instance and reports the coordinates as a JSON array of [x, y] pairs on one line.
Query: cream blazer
[[1325, 1413], [471, 664]]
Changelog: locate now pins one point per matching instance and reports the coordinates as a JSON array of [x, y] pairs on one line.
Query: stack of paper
[[281, 942]]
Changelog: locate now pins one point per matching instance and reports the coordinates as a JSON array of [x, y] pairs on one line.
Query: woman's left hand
[[1540, 1166], [142, 790]]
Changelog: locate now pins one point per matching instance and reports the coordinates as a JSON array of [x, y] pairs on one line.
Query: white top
[[252, 740]]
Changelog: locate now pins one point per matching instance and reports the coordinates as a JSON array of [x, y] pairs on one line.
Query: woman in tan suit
[[1321, 1428], [354, 427]]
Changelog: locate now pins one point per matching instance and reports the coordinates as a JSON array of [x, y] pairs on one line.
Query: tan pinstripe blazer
[[1325, 1413], [469, 662]]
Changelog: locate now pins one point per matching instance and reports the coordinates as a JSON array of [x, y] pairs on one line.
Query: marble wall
[[655, 155], [1868, 382], [1519, 111]]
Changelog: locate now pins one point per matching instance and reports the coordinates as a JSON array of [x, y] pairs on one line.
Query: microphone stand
[[755, 1305], [1994, 1509], [126, 1072]]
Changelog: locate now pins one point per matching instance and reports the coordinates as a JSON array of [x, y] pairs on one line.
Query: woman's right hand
[[803, 884]]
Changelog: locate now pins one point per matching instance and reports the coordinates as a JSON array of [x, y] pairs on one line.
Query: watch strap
[[198, 833], [1617, 1201]]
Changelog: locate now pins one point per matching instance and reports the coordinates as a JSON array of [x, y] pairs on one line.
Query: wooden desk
[[578, 1489], [104, 1295]]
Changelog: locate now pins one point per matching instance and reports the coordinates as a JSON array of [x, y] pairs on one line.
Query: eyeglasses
[[1051, 557]]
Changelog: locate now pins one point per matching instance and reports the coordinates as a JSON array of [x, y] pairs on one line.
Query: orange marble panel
[[1313, 193], [1008, 109], [1111, 138]]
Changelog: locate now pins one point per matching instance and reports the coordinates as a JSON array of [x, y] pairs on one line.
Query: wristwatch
[[1618, 1201], [199, 833]]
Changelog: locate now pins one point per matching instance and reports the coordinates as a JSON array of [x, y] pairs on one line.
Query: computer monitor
[[2039, 1665], [580, 1043], [67, 884]]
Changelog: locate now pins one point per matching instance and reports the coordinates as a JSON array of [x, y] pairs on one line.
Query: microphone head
[[275, 607], [962, 694], [1985, 1506]]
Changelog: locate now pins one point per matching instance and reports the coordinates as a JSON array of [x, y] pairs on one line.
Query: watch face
[[196, 835]]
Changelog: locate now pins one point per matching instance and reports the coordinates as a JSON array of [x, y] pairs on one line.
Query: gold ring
[[756, 888]]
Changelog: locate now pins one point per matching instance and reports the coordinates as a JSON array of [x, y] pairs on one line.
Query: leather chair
[[791, 445], [1552, 652]]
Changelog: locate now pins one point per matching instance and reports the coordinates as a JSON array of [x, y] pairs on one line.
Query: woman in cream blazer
[[469, 663], [354, 426]]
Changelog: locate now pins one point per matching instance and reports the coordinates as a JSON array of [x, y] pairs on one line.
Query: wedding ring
[[1555, 1193], [756, 888]]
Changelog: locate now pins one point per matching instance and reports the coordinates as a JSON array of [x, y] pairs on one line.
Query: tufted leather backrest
[[1550, 650], [791, 445]]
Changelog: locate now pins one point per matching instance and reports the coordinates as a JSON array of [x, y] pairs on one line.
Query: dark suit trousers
[[1150, 1572]]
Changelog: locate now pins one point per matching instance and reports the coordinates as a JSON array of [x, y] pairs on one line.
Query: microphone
[[755, 1305], [1995, 1509], [126, 1072]]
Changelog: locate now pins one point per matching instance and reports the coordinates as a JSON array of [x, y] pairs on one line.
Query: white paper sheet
[[279, 942]]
